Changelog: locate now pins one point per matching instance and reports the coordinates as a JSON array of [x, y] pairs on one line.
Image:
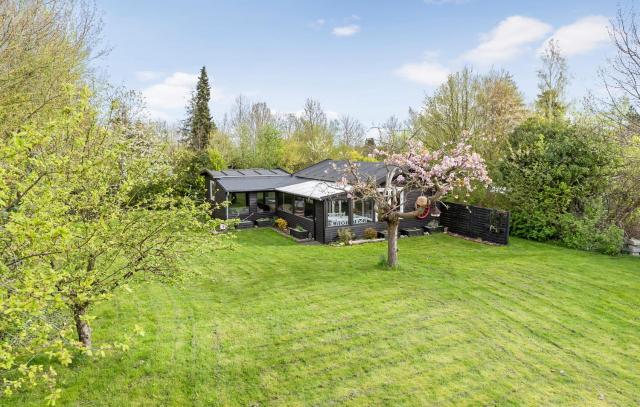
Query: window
[[298, 206], [287, 203], [212, 190], [238, 203], [338, 214], [309, 209], [266, 201], [363, 211]]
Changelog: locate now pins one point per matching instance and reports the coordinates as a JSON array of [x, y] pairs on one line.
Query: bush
[[370, 233], [591, 232], [345, 235], [553, 169], [281, 224]]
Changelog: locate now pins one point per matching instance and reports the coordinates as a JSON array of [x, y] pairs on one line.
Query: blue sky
[[368, 59]]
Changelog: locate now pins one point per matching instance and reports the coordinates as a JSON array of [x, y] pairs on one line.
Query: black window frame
[[246, 202], [262, 203]]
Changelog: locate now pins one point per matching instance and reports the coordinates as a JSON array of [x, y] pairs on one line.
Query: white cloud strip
[[425, 73], [346, 31], [507, 40], [581, 36]]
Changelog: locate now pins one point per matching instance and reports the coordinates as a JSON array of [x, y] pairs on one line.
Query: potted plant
[[299, 232], [264, 222], [433, 226], [410, 232], [281, 224]]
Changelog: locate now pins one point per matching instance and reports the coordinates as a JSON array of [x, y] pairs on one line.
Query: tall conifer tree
[[199, 124]]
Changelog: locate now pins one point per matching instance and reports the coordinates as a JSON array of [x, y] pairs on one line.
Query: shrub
[[591, 232], [370, 233], [553, 168], [281, 224], [345, 235]]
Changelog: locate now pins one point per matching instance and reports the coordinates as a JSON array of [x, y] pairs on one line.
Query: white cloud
[[426, 73], [171, 93], [346, 31], [145, 76], [581, 36], [507, 40]]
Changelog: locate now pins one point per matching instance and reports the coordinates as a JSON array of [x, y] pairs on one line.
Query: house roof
[[312, 189], [325, 171], [256, 183], [248, 172], [316, 181]]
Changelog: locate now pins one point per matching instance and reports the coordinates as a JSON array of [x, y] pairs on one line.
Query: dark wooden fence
[[491, 225]]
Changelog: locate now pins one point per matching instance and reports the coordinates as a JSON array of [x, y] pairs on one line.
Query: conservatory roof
[[313, 189]]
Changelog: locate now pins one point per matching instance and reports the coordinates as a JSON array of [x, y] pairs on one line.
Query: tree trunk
[[82, 326], [392, 242]]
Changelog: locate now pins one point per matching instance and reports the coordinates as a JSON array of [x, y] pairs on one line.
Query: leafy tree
[[619, 111], [552, 83], [350, 131], [434, 173], [486, 107], [554, 168], [313, 138], [199, 124], [269, 147]]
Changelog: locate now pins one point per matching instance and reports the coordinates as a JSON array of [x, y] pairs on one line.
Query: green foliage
[[591, 231], [553, 169], [485, 107], [345, 236], [74, 228], [552, 83], [199, 124]]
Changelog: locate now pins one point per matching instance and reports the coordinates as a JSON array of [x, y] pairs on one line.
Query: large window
[[338, 214], [266, 201], [363, 211], [304, 207], [286, 204], [238, 203]]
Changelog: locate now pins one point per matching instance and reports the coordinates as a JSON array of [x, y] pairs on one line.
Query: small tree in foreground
[[433, 173]]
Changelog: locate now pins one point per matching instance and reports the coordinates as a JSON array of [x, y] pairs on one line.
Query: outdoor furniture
[[358, 220], [412, 232], [338, 219]]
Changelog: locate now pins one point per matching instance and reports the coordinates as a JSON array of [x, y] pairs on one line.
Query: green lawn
[[460, 323]]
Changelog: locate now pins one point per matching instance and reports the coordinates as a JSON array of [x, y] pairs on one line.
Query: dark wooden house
[[308, 198]]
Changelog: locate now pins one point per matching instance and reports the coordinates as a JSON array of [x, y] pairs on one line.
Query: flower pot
[[298, 234], [263, 223], [433, 229], [412, 232]]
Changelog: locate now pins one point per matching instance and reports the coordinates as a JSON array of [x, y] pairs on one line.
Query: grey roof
[[324, 170], [256, 183], [257, 172]]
